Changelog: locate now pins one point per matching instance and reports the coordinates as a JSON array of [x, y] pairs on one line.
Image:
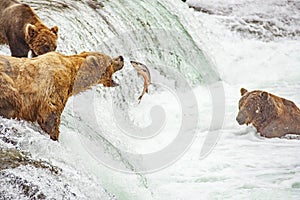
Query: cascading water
[[109, 142], [139, 30]]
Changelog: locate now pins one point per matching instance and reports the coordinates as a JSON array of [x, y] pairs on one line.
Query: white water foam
[[242, 165]]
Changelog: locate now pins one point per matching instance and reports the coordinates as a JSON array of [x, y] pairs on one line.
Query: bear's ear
[[54, 30], [30, 30], [243, 91], [264, 95], [91, 61]]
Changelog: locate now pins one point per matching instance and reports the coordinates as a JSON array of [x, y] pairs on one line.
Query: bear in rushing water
[[23, 31], [37, 89], [271, 115]]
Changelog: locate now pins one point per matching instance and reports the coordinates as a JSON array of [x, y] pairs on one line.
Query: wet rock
[[95, 4], [18, 187], [12, 158]]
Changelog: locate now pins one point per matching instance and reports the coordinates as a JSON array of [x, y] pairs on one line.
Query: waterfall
[[141, 30]]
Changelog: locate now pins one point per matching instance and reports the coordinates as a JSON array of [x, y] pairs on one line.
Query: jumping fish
[[144, 72]]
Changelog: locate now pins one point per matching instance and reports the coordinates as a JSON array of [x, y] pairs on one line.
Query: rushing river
[[182, 140]]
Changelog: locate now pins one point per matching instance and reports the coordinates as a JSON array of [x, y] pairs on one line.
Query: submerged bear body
[[37, 89], [271, 115], [23, 31]]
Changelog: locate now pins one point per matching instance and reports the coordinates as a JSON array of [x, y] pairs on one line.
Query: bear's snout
[[241, 118], [118, 63]]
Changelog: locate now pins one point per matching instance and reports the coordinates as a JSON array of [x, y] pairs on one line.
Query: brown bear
[[23, 31], [271, 115], [37, 89]]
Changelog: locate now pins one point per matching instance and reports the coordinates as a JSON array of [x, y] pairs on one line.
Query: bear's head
[[116, 64], [97, 65], [97, 68], [41, 39], [257, 108]]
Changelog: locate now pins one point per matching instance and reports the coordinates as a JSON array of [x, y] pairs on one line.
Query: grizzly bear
[[271, 115], [37, 89], [23, 31]]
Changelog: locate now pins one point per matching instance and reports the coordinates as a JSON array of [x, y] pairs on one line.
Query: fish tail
[[140, 98]]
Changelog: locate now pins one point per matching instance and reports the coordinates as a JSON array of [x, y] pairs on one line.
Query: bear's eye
[[46, 48]]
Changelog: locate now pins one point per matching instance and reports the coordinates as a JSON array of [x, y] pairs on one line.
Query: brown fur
[[271, 115], [37, 89], [22, 30]]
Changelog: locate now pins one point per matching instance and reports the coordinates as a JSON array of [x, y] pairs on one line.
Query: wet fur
[[37, 89], [22, 30], [271, 115]]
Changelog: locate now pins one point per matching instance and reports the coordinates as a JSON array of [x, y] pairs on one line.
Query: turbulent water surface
[[199, 54]]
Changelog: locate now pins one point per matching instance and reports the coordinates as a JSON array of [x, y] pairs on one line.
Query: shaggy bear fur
[[271, 115], [37, 89], [22, 30]]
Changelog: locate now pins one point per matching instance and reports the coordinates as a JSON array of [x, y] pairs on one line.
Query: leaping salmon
[[144, 72]]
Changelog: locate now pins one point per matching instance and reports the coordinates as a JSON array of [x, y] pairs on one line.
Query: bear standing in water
[[37, 89], [23, 31], [271, 115]]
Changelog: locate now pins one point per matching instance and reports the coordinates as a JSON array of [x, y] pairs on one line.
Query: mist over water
[[111, 147]]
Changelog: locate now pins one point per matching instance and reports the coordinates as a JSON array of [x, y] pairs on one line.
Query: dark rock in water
[[13, 186], [27, 171], [291, 137], [18, 187], [255, 24], [94, 4], [12, 158], [202, 9]]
